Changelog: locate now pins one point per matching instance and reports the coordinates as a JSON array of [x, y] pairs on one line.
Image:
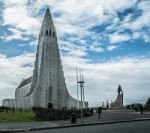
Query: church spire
[[47, 21], [48, 27]]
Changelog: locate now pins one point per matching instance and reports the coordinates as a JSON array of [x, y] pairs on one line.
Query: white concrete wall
[[22, 91], [21, 103], [73, 103]]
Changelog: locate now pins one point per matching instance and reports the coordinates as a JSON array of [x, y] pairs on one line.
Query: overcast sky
[[109, 40]]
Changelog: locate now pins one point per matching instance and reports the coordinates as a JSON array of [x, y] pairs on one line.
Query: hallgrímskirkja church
[[47, 87]]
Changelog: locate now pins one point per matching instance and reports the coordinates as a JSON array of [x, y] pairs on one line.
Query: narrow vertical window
[[53, 33], [50, 32], [46, 33], [50, 93]]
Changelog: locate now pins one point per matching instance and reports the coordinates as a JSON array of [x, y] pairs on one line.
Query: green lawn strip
[[17, 116]]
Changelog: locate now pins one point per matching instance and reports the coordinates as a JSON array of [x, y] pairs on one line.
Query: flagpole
[[83, 93], [77, 88]]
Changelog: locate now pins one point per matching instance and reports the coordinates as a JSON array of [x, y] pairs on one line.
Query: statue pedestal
[[118, 103]]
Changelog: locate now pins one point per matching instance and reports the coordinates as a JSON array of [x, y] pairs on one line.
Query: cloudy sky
[[109, 40]]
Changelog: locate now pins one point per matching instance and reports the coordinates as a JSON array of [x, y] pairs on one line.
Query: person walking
[[99, 112], [91, 110], [141, 109]]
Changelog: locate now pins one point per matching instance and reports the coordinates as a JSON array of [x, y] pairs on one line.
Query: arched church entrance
[[50, 106]]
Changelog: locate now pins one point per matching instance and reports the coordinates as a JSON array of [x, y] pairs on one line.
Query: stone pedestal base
[[118, 103]]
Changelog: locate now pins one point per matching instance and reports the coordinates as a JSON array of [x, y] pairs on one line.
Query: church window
[[50, 93], [46, 33], [50, 32], [53, 33]]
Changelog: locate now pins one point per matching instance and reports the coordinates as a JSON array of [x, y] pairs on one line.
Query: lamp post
[[83, 93], [81, 82]]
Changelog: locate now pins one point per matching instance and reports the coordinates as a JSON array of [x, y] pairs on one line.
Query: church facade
[[47, 87]]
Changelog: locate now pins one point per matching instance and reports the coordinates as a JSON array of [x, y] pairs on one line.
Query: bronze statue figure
[[120, 90]]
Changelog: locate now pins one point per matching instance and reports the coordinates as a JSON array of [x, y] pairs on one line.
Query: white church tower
[[47, 87], [48, 78]]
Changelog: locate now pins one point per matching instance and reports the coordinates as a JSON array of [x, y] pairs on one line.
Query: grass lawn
[[17, 116]]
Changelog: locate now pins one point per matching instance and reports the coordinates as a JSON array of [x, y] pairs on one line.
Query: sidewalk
[[108, 116]]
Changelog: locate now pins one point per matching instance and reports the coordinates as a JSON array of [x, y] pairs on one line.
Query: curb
[[71, 125]]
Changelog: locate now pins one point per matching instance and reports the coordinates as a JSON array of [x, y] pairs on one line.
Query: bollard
[[73, 118]]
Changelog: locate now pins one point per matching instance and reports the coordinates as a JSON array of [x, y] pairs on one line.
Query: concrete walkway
[[108, 116]]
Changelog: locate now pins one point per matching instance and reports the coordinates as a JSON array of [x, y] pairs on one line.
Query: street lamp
[[81, 82]]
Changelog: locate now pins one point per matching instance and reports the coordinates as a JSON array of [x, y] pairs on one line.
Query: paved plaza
[[108, 116]]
